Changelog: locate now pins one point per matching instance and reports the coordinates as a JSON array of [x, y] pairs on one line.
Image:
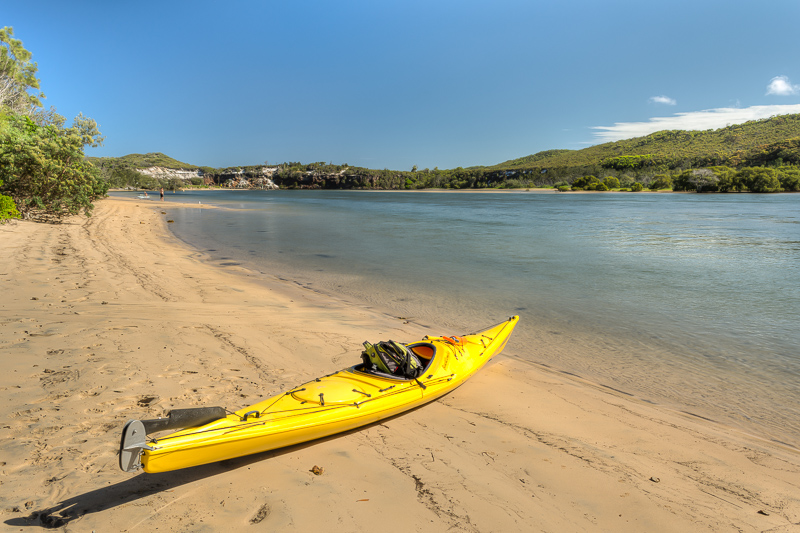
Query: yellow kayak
[[342, 401]]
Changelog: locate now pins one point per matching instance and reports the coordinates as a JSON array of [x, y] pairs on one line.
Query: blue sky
[[391, 84]]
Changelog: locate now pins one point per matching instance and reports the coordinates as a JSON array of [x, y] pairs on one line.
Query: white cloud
[[695, 120], [663, 100], [781, 86]]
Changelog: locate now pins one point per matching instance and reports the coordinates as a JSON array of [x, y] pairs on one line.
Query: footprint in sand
[[55, 377], [146, 401], [91, 392]]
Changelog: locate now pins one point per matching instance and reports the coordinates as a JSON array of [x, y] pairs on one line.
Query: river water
[[686, 300]]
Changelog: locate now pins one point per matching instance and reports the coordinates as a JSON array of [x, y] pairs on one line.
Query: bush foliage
[[46, 175], [8, 209]]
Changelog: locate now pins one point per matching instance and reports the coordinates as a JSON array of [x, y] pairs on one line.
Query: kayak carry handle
[[255, 414]]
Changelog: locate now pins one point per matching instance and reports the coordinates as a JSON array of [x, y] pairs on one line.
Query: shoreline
[[113, 317], [535, 190]]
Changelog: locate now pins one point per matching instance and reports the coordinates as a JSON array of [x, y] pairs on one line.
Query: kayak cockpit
[[425, 352]]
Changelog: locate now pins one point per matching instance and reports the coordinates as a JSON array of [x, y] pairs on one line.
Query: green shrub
[[586, 182], [46, 172], [563, 188], [662, 181], [700, 180], [611, 182], [729, 179], [8, 209], [637, 187], [760, 179], [790, 179]]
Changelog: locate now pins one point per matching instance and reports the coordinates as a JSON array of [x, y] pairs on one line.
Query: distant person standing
[[162, 194]]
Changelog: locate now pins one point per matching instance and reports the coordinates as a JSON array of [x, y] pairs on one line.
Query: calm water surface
[[681, 299]]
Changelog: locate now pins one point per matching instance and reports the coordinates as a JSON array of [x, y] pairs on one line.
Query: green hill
[[141, 161], [742, 144]]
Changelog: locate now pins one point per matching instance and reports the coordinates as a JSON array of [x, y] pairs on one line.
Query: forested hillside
[[660, 161], [756, 142]]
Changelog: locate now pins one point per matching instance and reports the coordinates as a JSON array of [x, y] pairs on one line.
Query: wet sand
[[111, 318]]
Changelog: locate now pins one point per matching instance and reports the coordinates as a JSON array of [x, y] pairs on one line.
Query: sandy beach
[[110, 318]]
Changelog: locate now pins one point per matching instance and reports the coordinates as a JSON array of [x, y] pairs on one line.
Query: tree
[[46, 172], [790, 179], [42, 162], [174, 184], [662, 181], [611, 182], [17, 75], [701, 180], [626, 180], [87, 129], [625, 162], [760, 179], [729, 179], [586, 182], [637, 187]]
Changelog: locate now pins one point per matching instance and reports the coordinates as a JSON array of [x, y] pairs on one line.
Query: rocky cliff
[[250, 178], [253, 178], [168, 173]]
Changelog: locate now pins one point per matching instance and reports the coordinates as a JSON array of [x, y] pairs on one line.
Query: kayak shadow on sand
[[144, 485], [130, 490]]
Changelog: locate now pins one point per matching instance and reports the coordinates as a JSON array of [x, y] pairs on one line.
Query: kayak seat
[[423, 351]]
